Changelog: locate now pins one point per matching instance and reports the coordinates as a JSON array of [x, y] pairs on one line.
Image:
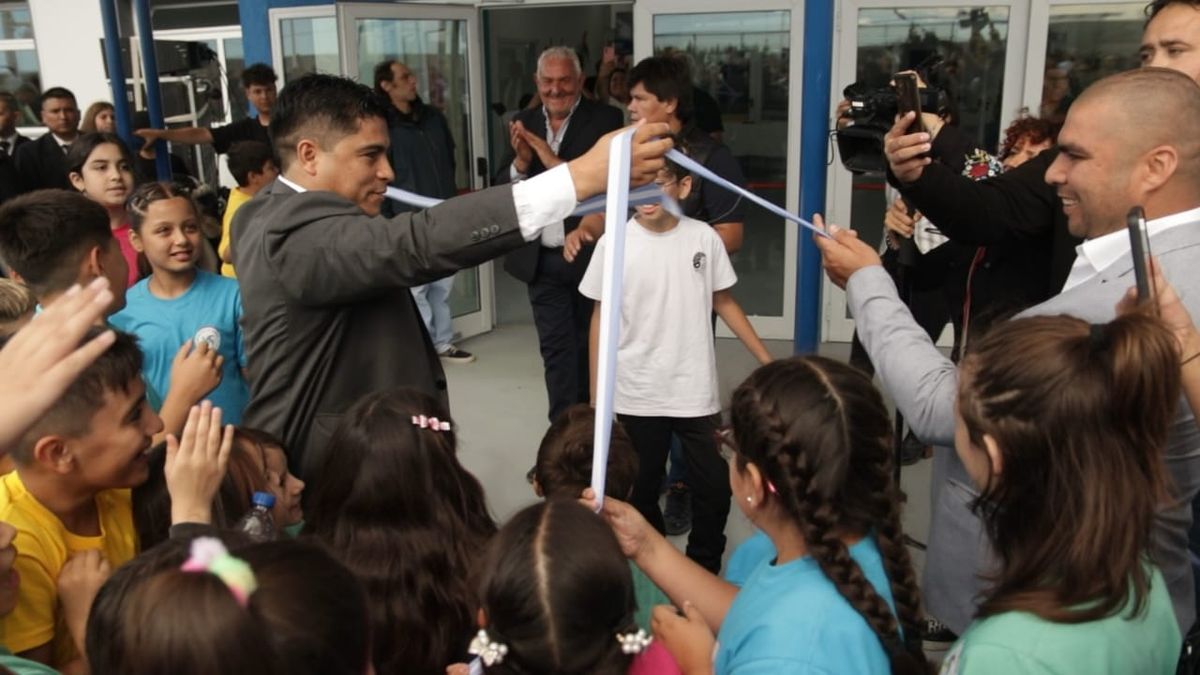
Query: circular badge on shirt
[[210, 336], [698, 261]]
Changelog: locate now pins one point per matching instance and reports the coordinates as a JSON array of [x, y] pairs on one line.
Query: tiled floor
[[499, 403]]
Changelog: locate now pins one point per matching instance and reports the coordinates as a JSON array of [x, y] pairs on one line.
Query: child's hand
[[45, 357], [196, 464], [458, 669], [195, 372], [78, 583], [633, 532], [687, 637]]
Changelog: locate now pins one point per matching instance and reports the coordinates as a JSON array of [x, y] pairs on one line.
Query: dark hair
[[244, 476], [83, 147], [381, 74], [556, 590], [1153, 8], [308, 615], [55, 92], [671, 166], [564, 458], [818, 430], [10, 102], [323, 107], [399, 510], [246, 157], [116, 369], [1032, 129], [156, 191], [258, 74], [1081, 415], [45, 234], [667, 77]]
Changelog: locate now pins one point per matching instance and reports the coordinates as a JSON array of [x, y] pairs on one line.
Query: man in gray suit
[[328, 316], [1130, 139]]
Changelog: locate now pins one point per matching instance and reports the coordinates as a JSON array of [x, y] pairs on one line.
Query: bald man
[[1130, 139]]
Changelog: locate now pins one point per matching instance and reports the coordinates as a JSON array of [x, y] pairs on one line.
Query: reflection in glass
[[19, 75], [1087, 42], [308, 45], [741, 60], [235, 63], [436, 52], [15, 23]]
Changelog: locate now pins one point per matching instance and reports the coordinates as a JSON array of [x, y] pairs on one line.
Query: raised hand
[[905, 151], [195, 371], [196, 463], [523, 153], [651, 142], [842, 253]]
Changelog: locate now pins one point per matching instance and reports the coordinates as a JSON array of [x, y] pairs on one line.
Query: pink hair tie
[[431, 423]]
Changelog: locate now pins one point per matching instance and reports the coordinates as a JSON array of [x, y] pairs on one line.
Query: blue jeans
[[677, 471], [433, 303]]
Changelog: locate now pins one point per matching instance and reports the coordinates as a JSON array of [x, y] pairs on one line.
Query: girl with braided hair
[[1062, 425], [833, 590]]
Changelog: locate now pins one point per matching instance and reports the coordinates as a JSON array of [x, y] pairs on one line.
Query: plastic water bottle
[[258, 522]]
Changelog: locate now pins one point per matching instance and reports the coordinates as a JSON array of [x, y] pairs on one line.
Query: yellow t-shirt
[[43, 546], [236, 199]]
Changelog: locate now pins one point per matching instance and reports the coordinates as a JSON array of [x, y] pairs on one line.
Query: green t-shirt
[[647, 595], [1019, 643], [20, 666]]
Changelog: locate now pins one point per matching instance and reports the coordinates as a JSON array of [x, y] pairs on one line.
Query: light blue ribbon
[[647, 194]]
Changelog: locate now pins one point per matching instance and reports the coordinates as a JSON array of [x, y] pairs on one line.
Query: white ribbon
[[647, 194]]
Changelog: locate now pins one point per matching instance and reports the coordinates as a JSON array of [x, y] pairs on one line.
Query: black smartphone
[[1139, 247], [908, 99]]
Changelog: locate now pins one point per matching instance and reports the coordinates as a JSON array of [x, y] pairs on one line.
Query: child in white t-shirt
[[676, 274]]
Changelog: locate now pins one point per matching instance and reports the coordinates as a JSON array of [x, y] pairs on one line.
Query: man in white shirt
[[1130, 139]]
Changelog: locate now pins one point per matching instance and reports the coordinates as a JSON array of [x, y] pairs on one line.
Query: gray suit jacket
[[924, 383], [328, 317]]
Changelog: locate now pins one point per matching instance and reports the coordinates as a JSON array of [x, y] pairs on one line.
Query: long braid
[[896, 559]]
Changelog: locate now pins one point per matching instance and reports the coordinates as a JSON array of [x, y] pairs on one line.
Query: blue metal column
[[814, 148], [141, 10], [116, 72]]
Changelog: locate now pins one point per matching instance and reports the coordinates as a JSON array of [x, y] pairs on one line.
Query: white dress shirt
[[1094, 255], [541, 202]]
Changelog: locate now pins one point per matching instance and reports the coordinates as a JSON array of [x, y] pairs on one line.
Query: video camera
[[873, 111]]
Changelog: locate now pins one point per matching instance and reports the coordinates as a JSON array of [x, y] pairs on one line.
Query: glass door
[[982, 45], [749, 61], [441, 45]]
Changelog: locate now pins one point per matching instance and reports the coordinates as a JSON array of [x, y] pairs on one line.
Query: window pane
[[309, 45], [14, 21], [741, 60], [235, 63], [1087, 42], [19, 75]]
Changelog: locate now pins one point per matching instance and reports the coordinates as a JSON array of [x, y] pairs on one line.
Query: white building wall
[[68, 34]]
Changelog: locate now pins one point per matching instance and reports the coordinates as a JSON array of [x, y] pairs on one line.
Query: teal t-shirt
[[746, 558], [648, 595], [790, 618], [1021, 643], [20, 666], [209, 311]]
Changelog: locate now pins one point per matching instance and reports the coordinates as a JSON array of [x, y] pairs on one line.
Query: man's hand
[[687, 637], [195, 372], [196, 463], [45, 357], [843, 118], [842, 253], [574, 243], [523, 153], [651, 142], [78, 582], [897, 220], [904, 150], [541, 148], [1170, 309]]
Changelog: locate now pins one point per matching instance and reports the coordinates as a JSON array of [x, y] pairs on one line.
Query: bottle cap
[[263, 499]]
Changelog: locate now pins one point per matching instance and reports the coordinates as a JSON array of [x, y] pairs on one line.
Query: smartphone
[[908, 99], [1139, 247]]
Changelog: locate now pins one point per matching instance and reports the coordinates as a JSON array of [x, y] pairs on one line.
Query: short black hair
[[83, 146], [564, 458], [667, 77], [383, 73], [55, 92], [45, 234], [10, 101], [260, 74], [1157, 6], [116, 369], [246, 157], [324, 107]]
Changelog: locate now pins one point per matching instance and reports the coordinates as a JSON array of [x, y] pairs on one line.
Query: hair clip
[[431, 423], [771, 488], [490, 652], [634, 643], [210, 555]]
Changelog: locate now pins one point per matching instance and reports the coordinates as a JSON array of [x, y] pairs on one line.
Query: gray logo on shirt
[[698, 261]]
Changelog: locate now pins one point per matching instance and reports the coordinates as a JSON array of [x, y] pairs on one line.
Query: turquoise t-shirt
[[209, 311], [647, 594], [746, 558], [790, 618], [1021, 643], [19, 666]]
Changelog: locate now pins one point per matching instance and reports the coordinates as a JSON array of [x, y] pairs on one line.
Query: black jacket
[[1016, 215], [41, 164], [590, 121], [421, 154]]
